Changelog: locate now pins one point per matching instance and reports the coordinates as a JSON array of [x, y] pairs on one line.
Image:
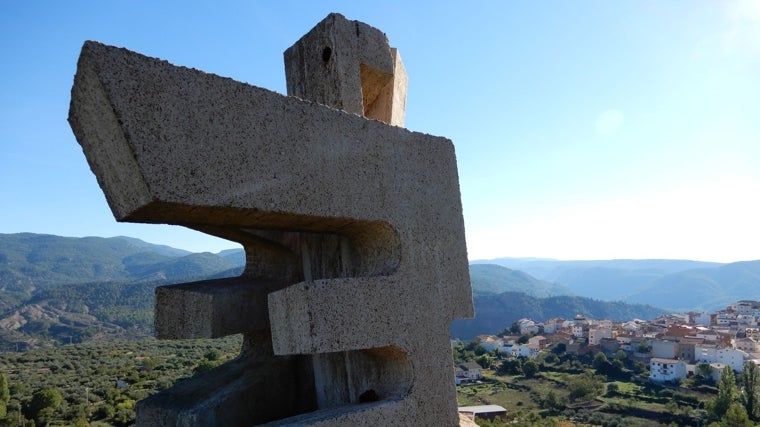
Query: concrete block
[[353, 229], [212, 308]]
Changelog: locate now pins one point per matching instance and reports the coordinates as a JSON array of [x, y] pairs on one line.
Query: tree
[[618, 368], [705, 370], [600, 362], [559, 348], [530, 368], [5, 393], [475, 347], [726, 393], [205, 365], [613, 389], [736, 416], [515, 328], [485, 361], [44, 402], [639, 368], [213, 354], [551, 402], [510, 367], [585, 386], [750, 393]]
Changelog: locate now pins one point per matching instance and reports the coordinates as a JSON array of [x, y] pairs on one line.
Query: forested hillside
[[495, 279], [99, 383], [494, 313], [67, 290], [30, 262]]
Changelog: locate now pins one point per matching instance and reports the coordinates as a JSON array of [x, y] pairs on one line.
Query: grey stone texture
[[348, 65], [353, 230]]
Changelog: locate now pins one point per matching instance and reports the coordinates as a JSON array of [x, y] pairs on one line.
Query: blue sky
[[583, 130]]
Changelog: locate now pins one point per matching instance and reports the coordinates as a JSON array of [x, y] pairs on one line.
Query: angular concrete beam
[[212, 308], [174, 145]]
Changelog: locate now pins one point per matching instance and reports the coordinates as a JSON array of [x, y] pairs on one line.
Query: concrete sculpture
[[352, 227]]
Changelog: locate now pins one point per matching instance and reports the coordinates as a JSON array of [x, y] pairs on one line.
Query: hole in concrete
[[342, 378], [326, 53]]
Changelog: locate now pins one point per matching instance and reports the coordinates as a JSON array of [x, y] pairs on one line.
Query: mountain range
[[65, 289], [502, 296], [677, 285]]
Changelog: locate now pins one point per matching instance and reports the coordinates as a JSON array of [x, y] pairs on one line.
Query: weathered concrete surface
[[348, 65], [343, 373], [352, 227], [212, 308], [249, 390]]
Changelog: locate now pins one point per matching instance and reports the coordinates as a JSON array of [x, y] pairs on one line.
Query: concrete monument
[[352, 227]]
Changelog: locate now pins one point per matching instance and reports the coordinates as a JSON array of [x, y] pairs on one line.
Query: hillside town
[[673, 346]]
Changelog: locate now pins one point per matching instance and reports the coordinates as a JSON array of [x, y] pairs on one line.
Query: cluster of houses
[[672, 345]]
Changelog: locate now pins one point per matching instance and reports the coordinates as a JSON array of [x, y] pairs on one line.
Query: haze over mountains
[[677, 285], [63, 289]]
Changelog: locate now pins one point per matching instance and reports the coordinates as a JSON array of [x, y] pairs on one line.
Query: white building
[[539, 341], [580, 330], [491, 343], [525, 350], [728, 356], [604, 323], [702, 318], [749, 345], [746, 307], [528, 326], [631, 326], [553, 325], [469, 371], [596, 333], [724, 318], [662, 370]]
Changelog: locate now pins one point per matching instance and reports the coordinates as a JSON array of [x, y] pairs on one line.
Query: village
[[673, 346]]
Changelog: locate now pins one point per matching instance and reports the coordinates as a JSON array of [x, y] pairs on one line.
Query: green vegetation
[[601, 390], [750, 391], [61, 290], [31, 262], [99, 384]]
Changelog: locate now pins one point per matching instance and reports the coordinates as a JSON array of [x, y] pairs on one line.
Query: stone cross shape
[[352, 226]]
